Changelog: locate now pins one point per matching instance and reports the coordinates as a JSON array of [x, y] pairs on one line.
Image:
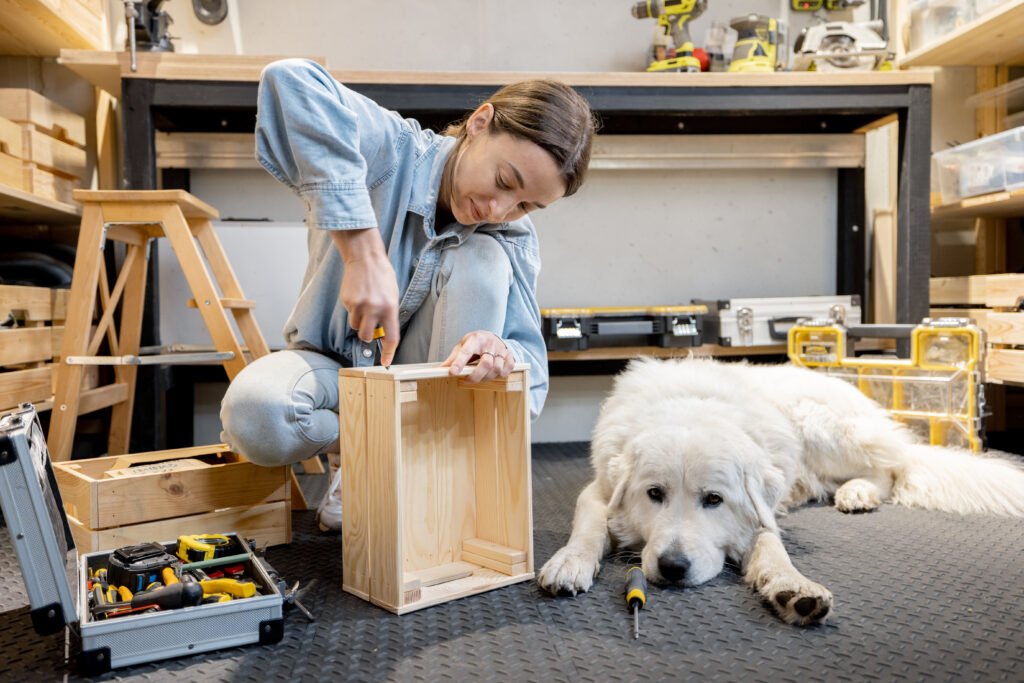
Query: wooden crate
[[23, 105], [435, 483], [29, 347], [52, 154], [126, 499]]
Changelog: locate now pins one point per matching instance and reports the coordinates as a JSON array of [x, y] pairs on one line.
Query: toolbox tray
[[56, 577]]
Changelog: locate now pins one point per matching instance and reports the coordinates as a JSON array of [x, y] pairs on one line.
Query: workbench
[[170, 92]]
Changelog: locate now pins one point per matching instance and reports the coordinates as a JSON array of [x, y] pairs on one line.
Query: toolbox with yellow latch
[[138, 603], [938, 391], [577, 329]]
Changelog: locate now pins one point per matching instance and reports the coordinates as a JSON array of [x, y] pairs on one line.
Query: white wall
[[628, 237]]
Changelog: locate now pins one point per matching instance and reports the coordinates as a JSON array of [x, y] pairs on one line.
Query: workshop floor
[[918, 596]]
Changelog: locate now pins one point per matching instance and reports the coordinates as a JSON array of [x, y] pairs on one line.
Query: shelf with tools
[[992, 38]]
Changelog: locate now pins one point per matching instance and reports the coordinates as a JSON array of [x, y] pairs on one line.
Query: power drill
[[672, 16]]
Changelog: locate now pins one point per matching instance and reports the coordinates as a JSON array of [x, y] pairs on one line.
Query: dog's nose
[[673, 567]]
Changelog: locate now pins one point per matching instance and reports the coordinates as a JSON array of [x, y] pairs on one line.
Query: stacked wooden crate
[[32, 320], [41, 145], [994, 301]]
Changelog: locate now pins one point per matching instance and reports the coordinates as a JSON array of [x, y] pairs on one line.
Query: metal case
[[766, 321], [56, 578]]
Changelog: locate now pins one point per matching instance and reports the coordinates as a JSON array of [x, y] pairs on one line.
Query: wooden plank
[[514, 487], [47, 185], [883, 267], [26, 303], [444, 573], [356, 542], [52, 154], [157, 468], [191, 206], [1005, 328], [384, 477], [626, 352], [501, 553], [23, 105], [24, 207], [226, 303], [481, 581], [978, 315], [12, 172], [268, 524], [25, 345], [497, 384], [104, 69], [20, 386], [133, 272], [100, 397], [994, 291], [1004, 291], [1005, 365], [491, 563], [111, 462], [11, 138]]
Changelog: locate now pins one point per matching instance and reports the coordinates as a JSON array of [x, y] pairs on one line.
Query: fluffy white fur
[[693, 458]]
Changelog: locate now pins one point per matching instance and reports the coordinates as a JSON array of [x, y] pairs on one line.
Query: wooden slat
[[52, 154], [226, 303], [978, 290], [191, 206], [501, 553], [268, 524], [1005, 328], [1005, 365], [26, 345], [19, 386], [23, 105], [443, 573], [26, 303], [356, 541], [978, 315], [384, 476], [491, 563], [993, 38]]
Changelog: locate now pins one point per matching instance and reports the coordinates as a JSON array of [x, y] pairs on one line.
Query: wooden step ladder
[[134, 218]]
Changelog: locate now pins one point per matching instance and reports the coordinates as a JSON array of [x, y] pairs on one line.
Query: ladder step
[[226, 303], [155, 359]]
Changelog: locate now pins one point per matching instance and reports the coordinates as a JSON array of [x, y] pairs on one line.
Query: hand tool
[[137, 566], [673, 17], [199, 547], [377, 334], [218, 562], [232, 587], [636, 595]]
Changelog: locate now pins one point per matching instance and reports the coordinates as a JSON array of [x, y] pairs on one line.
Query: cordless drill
[[672, 16]]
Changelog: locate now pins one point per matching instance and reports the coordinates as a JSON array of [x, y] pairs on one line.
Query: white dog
[[693, 458]]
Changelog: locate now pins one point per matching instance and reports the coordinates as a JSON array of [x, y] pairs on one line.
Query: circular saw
[[840, 46]]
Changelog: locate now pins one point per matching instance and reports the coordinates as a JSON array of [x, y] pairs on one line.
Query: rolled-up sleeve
[[315, 136]]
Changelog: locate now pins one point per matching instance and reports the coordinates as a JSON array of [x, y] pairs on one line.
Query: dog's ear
[[765, 485], [620, 470]]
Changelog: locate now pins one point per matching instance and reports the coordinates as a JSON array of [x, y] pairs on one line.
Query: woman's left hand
[[494, 358]]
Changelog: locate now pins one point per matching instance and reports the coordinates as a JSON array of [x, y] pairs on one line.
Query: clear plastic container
[[985, 6], [987, 165], [930, 20]]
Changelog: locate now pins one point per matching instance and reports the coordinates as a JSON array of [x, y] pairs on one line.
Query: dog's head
[[692, 496]]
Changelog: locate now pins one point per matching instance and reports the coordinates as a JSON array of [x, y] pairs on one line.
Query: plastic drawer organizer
[[578, 329], [991, 164], [435, 479], [56, 577], [938, 391]]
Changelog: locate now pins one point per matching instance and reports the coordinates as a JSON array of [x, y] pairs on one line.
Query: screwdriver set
[[138, 603]]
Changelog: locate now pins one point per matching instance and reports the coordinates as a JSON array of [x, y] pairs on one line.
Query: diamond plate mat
[[918, 596]]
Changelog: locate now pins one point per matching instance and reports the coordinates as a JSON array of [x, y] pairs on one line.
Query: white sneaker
[[328, 513]]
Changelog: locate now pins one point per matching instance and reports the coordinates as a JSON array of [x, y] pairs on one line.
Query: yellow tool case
[[113, 628], [577, 329], [938, 391]]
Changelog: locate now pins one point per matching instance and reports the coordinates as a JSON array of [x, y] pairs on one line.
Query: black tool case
[[56, 578], [578, 329]]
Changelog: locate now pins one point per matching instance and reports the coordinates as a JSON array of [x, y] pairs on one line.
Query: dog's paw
[[568, 572], [803, 603], [857, 495]]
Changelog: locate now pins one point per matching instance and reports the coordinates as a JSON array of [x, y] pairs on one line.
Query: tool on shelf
[[672, 46]]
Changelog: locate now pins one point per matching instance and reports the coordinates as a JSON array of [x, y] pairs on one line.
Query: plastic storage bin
[[930, 20], [987, 165]]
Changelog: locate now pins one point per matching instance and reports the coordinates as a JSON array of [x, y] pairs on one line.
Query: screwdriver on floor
[[636, 595]]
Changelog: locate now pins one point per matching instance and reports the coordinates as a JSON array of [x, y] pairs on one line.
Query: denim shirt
[[357, 165]]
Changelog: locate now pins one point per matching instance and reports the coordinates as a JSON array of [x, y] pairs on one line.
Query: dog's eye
[[711, 500], [655, 494]]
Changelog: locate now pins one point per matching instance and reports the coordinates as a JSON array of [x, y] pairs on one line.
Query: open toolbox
[[58, 581]]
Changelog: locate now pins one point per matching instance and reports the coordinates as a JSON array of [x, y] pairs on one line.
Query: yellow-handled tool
[[636, 595], [201, 547], [233, 587]]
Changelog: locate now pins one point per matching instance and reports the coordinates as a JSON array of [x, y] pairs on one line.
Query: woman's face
[[499, 177]]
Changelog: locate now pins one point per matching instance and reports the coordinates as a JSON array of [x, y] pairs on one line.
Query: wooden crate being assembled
[[122, 500], [435, 484]]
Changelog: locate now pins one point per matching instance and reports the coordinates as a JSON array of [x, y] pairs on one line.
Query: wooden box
[[29, 347], [435, 485], [122, 500], [23, 105]]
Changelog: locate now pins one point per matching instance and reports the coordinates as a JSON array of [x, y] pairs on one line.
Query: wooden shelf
[[627, 352], [993, 38], [41, 28], [997, 204], [22, 207]]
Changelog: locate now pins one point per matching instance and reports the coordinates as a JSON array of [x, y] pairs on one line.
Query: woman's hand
[[369, 289], [494, 358]]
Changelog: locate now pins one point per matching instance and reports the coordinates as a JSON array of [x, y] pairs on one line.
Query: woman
[[424, 235]]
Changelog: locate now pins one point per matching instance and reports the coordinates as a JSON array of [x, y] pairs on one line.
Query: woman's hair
[[549, 114]]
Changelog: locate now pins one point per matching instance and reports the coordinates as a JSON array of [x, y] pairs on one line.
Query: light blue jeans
[[283, 408]]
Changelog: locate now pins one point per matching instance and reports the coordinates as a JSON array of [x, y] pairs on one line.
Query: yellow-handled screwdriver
[[377, 334], [636, 595]]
